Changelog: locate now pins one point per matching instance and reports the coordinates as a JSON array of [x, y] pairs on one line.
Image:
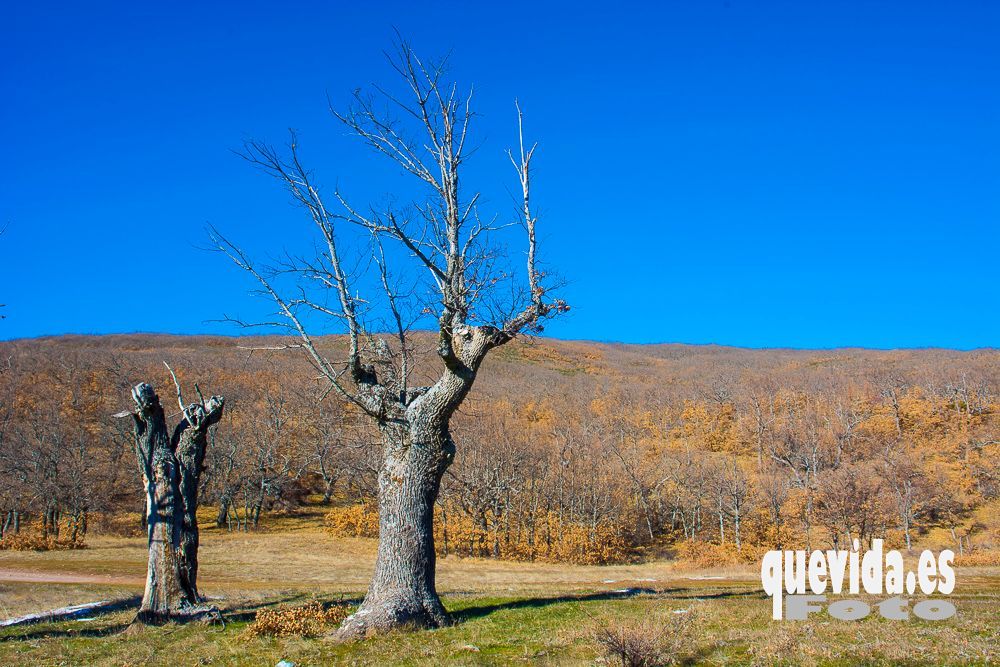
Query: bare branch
[[321, 363], [180, 399], [538, 308]]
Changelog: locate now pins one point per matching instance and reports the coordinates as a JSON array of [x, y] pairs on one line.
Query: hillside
[[567, 451]]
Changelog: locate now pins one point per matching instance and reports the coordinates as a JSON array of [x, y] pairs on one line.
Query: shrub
[[631, 646], [27, 541], [308, 620], [701, 555], [978, 558], [31, 540], [648, 643], [360, 520]]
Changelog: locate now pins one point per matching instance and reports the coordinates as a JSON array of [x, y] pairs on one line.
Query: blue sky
[[748, 173]]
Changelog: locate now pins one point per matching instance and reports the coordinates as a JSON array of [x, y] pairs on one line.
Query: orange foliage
[[549, 540]]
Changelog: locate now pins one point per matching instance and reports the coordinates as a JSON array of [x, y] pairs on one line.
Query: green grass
[[731, 626], [506, 613]]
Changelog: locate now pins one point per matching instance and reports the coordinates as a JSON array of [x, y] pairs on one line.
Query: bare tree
[[904, 476], [477, 303], [171, 467], [739, 498], [774, 486]]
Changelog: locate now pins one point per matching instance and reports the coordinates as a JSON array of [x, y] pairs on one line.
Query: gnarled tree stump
[[171, 467]]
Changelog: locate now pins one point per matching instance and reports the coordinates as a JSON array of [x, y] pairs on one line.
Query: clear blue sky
[[801, 174]]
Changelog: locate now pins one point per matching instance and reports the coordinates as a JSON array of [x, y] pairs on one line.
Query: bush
[[647, 643], [978, 558], [308, 620], [27, 541], [30, 540], [359, 520], [631, 646], [702, 555]]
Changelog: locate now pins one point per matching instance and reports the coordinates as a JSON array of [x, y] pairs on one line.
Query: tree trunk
[[328, 488], [736, 526], [165, 595], [222, 519], [402, 592], [190, 454], [171, 468]]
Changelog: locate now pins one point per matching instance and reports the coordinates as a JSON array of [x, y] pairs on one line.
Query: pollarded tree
[[171, 467], [473, 301]]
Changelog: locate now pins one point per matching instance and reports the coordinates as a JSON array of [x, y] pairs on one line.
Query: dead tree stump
[[171, 467]]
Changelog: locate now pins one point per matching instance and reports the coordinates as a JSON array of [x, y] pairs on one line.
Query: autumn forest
[[573, 452]]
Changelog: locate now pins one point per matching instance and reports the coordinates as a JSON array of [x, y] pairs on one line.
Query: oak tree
[[470, 298]]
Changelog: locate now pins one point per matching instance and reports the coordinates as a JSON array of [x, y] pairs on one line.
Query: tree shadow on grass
[[49, 628], [65, 633], [45, 627], [474, 612], [718, 596]]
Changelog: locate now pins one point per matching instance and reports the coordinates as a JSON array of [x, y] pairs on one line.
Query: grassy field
[[506, 613]]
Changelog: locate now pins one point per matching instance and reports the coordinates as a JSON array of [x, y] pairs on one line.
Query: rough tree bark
[[191, 438], [171, 468]]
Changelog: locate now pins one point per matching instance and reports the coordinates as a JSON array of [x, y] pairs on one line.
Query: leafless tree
[[475, 302], [852, 503], [775, 487], [9, 484], [329, 453], [761, 404], [739, 497], [266, 463], [623, 442], [904, 475]]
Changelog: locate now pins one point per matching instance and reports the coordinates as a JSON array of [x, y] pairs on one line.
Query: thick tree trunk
[[165, 594], [402, 592], [171, 468]]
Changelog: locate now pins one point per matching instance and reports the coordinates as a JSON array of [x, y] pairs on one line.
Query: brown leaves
[[309, 620]]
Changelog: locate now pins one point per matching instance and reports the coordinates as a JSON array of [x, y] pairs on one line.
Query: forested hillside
[[567, 451]]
